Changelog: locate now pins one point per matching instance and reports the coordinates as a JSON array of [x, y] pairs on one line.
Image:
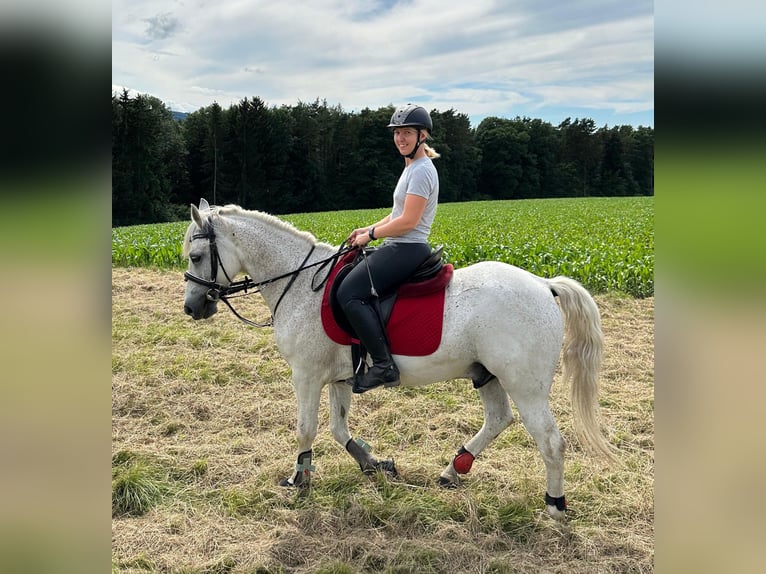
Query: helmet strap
[[415, 149]]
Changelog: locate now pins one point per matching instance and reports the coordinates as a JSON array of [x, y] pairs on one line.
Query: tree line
[[314, 157]]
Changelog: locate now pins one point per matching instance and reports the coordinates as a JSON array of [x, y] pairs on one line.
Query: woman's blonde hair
[[430, 152]]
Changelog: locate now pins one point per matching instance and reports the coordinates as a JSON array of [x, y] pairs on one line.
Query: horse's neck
[[270, 250]]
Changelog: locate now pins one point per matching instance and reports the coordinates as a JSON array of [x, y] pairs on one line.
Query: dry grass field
[[202, 430]]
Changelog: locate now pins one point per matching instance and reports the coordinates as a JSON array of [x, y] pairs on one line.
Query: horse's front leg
[[340, 403], [307, 393]]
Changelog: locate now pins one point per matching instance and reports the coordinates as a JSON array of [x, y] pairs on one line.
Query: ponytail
[[430, 152]]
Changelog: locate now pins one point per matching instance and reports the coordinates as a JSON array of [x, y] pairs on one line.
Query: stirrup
[[378, 379]]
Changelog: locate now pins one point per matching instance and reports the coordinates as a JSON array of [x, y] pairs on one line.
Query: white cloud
[[479, 58]]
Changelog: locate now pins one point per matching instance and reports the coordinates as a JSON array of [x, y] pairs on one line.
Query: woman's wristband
[[371, 233]]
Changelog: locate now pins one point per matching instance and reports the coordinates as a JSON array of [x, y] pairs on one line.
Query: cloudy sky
[[548, 59]]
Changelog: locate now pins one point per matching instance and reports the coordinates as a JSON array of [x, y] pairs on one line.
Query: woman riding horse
[[406, 230]]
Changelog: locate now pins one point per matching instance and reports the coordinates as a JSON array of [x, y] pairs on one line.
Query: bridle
[[218, 292]]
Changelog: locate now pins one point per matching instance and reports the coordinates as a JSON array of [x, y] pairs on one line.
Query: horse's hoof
[[384, 466], [556, 507], [556, 514], [290, 483], [388, 467], [447, 483]]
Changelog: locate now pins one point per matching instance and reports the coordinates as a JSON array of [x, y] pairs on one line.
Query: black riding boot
[[368, 327]]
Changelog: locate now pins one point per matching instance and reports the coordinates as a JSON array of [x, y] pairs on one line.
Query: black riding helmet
[[412, 116]]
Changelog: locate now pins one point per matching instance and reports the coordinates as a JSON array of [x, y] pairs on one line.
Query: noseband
[[218, 292]]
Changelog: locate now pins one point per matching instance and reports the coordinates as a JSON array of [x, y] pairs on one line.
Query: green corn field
[[605, 243]]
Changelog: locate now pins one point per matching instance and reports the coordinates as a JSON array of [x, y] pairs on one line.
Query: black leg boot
[[367, 325]]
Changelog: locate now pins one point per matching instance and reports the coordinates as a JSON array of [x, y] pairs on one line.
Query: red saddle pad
[[415, 325]]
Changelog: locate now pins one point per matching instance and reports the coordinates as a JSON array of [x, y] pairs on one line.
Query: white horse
[[501, 325]]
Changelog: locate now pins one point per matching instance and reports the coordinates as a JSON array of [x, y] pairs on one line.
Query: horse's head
[[211, 263]]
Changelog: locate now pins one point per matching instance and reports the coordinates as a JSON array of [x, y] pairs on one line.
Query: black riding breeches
[[389, 266]]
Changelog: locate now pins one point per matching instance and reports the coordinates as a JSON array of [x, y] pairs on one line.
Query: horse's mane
[[261, 216]]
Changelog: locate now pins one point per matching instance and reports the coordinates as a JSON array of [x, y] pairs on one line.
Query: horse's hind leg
[[537, 418], [497, 417]]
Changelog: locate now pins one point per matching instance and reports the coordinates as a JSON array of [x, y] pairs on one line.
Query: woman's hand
[[361, 240], [359, 237]]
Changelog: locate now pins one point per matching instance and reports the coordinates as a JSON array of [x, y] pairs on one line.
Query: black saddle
[[429, 268]]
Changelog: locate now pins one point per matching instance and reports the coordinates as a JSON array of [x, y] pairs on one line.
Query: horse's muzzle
[[206, 310]]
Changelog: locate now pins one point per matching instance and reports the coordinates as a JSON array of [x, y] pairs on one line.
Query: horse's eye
[[195, 258]]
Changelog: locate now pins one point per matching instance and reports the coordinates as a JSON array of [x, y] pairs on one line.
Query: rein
[[219, 292]]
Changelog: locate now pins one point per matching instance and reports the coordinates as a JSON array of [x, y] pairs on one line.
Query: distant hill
[[179, 116]]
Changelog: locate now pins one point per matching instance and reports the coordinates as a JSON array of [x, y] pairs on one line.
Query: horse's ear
[[196, 217], [203, 204]]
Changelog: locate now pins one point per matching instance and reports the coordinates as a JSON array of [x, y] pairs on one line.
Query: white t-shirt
[[419, 178]]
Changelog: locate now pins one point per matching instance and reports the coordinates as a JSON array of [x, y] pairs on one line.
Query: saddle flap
[[344, 267]]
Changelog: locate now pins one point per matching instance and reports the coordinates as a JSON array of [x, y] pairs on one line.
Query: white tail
[[583, 347]]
